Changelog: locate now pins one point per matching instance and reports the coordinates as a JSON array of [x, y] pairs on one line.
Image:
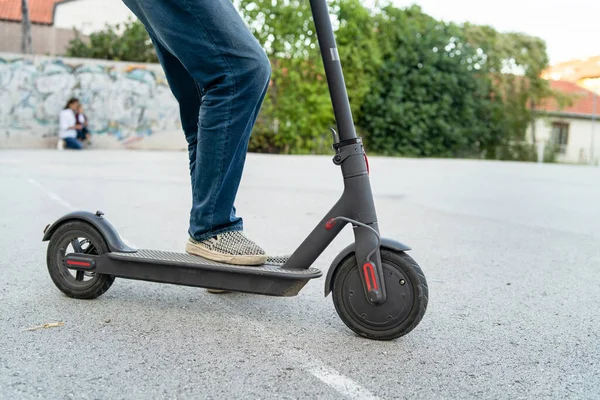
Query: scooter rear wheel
[[405, 305], [77, 237]]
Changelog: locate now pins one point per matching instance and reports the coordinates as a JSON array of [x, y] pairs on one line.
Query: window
[[560, 136]]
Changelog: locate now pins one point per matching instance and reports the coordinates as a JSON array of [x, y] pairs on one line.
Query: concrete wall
[[579, 142], [127, 104], [91, 15], [46, 39]]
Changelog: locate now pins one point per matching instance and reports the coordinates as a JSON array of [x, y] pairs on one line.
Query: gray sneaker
[[229, 248], [277, 260]]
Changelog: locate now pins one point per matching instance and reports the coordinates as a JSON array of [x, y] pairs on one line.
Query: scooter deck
[[190, 270]]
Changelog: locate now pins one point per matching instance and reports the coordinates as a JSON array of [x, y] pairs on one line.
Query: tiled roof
[[582, 104], [574, 71], [40, 11]]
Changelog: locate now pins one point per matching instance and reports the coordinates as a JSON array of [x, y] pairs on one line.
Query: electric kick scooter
[[379, 291]]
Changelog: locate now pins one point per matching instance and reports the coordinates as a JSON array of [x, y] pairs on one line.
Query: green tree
[[427, 99], [359, 50], [512, 64], [297, 111], [121, 42]]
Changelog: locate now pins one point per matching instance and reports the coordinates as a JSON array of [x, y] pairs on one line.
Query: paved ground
[[511, 252]]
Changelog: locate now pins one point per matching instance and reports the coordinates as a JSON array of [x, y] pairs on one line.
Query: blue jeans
[[219, 74], [82, 133], [73, 143]]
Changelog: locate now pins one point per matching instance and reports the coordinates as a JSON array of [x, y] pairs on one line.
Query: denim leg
[[72, 143], [226, 77], [188, 94]]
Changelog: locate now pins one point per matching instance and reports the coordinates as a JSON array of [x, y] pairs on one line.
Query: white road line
[[330, 376], [342, 384], [65, 203], [52, 195]]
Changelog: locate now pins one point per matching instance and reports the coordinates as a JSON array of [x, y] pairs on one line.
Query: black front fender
[[113, 240], [389, 244]]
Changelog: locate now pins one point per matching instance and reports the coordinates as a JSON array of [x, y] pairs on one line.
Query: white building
[[574, 131], [89, 16], [52, 22]]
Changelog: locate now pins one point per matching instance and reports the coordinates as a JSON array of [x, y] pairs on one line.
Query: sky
[[571, 29]]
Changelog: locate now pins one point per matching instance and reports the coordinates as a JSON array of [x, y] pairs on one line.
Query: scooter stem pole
[[333, 70]]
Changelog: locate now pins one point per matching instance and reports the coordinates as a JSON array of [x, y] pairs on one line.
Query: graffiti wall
[[127, 105]]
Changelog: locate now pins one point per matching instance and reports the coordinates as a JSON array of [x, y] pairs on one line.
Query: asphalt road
[[511, 252]]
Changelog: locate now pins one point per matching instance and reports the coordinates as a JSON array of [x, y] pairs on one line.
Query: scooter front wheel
[[406, 297]]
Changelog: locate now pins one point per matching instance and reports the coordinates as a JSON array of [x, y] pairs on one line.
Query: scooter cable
[[354, 222]]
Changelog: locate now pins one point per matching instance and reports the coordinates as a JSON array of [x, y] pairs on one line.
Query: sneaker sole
[[217, 291], [196, 250]]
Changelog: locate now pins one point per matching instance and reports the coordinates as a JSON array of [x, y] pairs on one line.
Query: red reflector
[[329, 225], [367, 278], [79, 263], [369, 272], [367, 161]]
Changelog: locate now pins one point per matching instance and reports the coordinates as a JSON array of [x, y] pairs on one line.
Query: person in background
[[83, 134], [68, 126]]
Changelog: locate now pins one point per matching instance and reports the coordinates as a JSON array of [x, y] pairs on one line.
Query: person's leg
[[73, 143], [215, 66], [81, 135]]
